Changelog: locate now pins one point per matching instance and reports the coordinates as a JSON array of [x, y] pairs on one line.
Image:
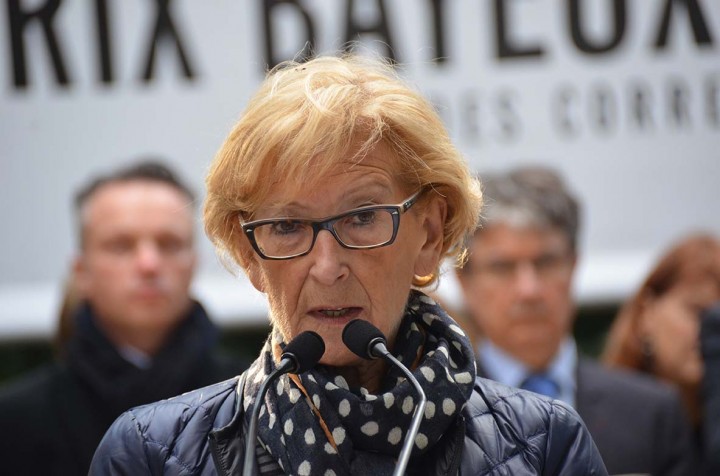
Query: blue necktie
[[542, 384]]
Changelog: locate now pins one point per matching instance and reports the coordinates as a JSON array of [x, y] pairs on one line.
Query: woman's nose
[[328, 258]]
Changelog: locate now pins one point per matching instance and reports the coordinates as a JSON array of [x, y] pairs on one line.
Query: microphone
[[366, 341], [300, 355]]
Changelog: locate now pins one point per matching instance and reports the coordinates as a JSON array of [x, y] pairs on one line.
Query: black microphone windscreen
[[357, 336], [306, 349]]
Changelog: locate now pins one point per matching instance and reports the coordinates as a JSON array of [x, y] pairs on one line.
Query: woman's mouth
[[341, 313], [335, 313]]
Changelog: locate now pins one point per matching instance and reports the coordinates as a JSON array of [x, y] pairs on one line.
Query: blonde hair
[[306, 118]]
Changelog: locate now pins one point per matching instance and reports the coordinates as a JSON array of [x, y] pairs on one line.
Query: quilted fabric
[[505, 431]]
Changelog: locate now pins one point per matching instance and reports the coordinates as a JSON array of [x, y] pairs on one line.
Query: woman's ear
[[433, 224]]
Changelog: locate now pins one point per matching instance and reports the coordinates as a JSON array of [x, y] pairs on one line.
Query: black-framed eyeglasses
[[363, 228]]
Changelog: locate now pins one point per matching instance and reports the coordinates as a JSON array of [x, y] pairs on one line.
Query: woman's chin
[[340, 358]]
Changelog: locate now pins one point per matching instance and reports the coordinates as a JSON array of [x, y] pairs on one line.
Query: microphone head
[[361, 337], [305, 350]]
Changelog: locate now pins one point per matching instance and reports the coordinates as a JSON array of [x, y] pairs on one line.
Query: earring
[[647, 354], [421, 281]]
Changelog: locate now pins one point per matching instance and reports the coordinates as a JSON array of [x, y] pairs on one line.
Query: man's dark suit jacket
[[638, 424]]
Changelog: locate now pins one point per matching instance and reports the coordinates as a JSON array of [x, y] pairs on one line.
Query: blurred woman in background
[[658, 331]]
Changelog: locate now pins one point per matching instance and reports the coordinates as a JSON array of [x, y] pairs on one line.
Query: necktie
[[542, 384]]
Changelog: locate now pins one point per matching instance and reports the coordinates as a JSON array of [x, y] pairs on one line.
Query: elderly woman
[[338, 193]]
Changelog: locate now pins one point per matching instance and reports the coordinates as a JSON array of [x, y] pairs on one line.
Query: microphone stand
[[404, 456], [366, 341], [285, 366]]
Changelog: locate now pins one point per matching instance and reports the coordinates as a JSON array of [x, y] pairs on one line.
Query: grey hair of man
[[531, 196], [150, 170]]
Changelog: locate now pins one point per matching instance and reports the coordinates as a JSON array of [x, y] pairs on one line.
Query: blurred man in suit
[[517, 289], [136, 335]]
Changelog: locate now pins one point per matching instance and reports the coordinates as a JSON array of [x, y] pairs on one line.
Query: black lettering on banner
[[581, 40], [103, 35], [603, 109], [507, 116], [504, 46], [381, 28], [438, 31], [564, 111], [641, 106], [19, 19], [165, 29], [469, 122], [309, 43], [712, 99], [679, 112], [701, 33]]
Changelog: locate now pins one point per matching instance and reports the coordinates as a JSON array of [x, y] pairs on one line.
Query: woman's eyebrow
[[359, 196]]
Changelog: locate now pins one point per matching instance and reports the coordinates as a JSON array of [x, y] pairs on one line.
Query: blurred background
[[622, 97]]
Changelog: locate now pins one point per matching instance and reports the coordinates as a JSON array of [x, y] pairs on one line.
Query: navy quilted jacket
[[502, 431]]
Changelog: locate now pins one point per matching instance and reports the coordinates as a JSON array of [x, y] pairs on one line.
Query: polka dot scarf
[[314, 424]]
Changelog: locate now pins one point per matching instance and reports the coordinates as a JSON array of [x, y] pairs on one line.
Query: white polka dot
[[339, 435], [429, 410], [289, 427], [408, 405], [370, 428], [271, 423], [414, 327], [370, 397], [444, 351], [344, 408], [463, 377], [311, 378], [329, 449], [448, 406], [457, 345], [389, 399], [304, 468], [427, 300], [449, 377], [316, 401], [340, 382], [421, 441], [428, 318], [452, 363], [330, 386], [282, 439], [330, 472], [309, 437], [294, 395], [262, 411], [395, 436], [428, 373], [279, 387], [456, 330]]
